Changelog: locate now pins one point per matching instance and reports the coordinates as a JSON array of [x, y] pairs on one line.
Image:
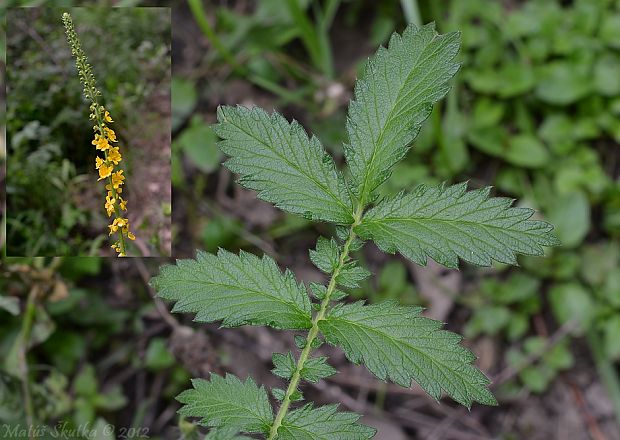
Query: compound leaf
[[393, 98], [284, 165], [394, 342], [236, 289], [445, 223], [228, 402], [323, 423]]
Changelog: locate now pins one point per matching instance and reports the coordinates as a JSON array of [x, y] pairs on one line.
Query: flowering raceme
[[104, 141]]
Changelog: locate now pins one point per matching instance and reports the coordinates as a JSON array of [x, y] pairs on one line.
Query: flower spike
[[103, 141]]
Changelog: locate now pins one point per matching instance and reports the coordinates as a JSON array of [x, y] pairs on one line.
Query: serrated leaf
[[235, 289], [300, 341], [284, 165], [393, 98], [225, 434], [394, 342], [323, 423], [279, 394], [446, 223], [319, 291], [351, 274], [284, 365], [228, 402], [326, 256], [316, 369]]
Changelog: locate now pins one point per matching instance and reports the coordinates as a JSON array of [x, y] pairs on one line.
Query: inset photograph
[[88, 132]]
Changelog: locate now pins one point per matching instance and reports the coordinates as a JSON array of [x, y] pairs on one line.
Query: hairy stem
[[313, 333]]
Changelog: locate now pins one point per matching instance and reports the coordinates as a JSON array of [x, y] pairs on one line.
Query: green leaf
[[157, 355], [525, 150], [326, 256], [445, 223], [198, 141], [279, 394], [228, 402], [283, 164], [323, 423], [351, 274], [184, 98], [225, 434], [236, 289], [319, 291], [611, 330], [610, 30], [606, 78], [393, 98], [563, 83], [570, 213], [284, 365], [395, 342], [572, 302], [316, 369]]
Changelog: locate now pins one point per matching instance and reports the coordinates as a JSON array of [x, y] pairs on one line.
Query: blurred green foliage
[[52, 204], [77, 343]]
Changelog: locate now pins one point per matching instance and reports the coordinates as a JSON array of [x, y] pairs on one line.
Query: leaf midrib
[[388, 120], [236, 287], [347, 209], [422, 354]]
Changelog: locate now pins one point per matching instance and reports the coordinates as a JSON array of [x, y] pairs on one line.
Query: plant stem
[[313, 333], [412, 11]]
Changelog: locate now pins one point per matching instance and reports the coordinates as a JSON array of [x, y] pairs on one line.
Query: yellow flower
[[114, 155], [109, 188], [131, 236], [122, 204], [105, 170], [100, 142], [109, 205], [98, 162], [107, 117], [117, 179], [118, 223], [110, 134]]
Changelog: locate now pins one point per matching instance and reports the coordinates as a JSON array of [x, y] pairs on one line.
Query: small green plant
[[103, 141], [292, 170]]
